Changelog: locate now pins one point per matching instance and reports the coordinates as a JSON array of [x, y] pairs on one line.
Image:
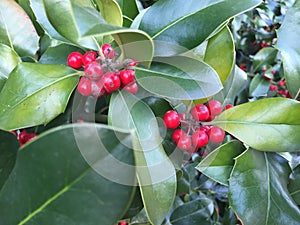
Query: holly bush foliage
[[100, 161]]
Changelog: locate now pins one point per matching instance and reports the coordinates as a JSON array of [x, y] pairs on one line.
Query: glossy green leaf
[[288, 37], [220, 53], [294, 185], [259, 86], [16, 29], [38, 9], [58, 54], [9, 145], [219, 163], [155, 172], [232, 87], [270, 124], [189, 24], [61, 178], [110, 11], [11, 59], [129, 9], [191, 78], [193, 213], [35, 94], [265, 56], [258, 190]]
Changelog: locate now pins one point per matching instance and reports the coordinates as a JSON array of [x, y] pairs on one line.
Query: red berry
[[215, 107], [205, 129], [282, 83], [132, 88], [127, 76], [177, 134], [200, 138], [108, 51], [122, 223], [184, 143], [228, 106], [216, 135], [273, 87], [111, 82], [75, 60], [171, 119], [93, 71], [25, 137], [97, 89], [200, 112], [85, 86], [132, 63], [89, 57]]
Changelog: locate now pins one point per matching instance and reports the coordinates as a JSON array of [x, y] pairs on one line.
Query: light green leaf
[[11, 59], [110, 11], [189, 24], [8, 153], [35, 94], [288, 37], [258, 190], [219, 163], [220, 53], [61, 178], [155, 172], [130, 11], [270, 124], [191, 78], [265, 56], [16, 29]]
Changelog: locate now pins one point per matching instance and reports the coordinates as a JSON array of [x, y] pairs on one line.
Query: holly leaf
[[191, 25], [8, 153], [265, 56], [69, 175], [259, 86], [269, 124], [17, 30], [219, 163], [220, 53], [258, 189], [288, 36], [294, 185], [110, 11], [191, 78], [155, 173], [11, 59], [34, 94], [129, 9]]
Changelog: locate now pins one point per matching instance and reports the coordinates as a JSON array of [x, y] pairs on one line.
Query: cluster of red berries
[[24, 136], [100, 73], [280, 89], [193, 134]]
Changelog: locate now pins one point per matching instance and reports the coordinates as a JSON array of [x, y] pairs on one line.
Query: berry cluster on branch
[[102, 73]]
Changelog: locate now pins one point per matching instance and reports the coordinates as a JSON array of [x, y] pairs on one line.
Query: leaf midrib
[[54, 197], [37, 91]]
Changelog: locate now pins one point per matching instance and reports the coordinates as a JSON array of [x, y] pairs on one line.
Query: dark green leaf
[[270, 124], [288, 37], [69, 176], [16, 29], [193, 213], [265, 56], [11, 59], [129, 9], [294, 185], [35, 94], [58, 54], [191, 78], [191, 23], [258, 190], [8, 152], [259, 86], [155, 172], [110, 11], [220, 53], [219, 163]]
